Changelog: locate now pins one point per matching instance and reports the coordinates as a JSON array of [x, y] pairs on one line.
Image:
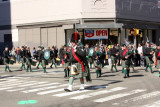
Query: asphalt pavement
[[38, 89]]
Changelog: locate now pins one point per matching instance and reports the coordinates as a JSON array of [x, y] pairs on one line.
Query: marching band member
[[113, 54], [53, 57], [43, 59], [66, 61], [28, 59], [23, 58], [6, 59], [126, 58], [39, 51], [158, 59], [148, 52], [77, 65], [97, 62]]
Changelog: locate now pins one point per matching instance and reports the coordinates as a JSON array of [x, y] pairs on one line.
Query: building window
[[7, 38]]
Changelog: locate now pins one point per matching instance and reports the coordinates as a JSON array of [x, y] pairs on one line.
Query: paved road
[[142, 89]]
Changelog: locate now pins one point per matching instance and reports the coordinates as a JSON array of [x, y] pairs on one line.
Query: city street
[[38, 89]]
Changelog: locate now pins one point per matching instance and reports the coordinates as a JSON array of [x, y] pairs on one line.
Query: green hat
[[42, 48]]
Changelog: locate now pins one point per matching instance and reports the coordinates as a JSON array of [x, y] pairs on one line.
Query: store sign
[[96, 34]]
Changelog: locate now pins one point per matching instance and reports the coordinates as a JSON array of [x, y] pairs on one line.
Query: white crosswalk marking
[[18, 83], [19, 89], [51, 91], [70, 93], [8, 81], [118, 96], [142, 97], [155, 104], [6, 88], [45, 88], [32, 84], [97, 93], [45, 85]]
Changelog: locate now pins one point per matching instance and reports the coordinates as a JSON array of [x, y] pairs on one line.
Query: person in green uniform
[[148, 52], [66, 61], [97, 62], [28, 59], [23, 57], [157, 54], [6, 59], [53, 57], [113, 53], [43, 59], [77, 65], [126, 60]]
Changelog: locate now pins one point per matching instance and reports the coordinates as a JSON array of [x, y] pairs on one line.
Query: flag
[[158, 3]]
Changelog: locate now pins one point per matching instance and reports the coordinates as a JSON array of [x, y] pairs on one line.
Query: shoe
[[67, 90], [50, 66], [37, 67], [10, 71], [82, 87], [124, 77]]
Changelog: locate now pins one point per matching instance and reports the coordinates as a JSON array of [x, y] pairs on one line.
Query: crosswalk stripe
[[45, 88], [51, 91], [6, 88], [118, 96], [155, 104], [142, 97], [13, 90], [70, 93], [97, 93], [32, 84], [45, 85], [20, 83], [8, 81]]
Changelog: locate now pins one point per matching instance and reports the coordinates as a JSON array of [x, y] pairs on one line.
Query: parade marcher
[[42, 59], [77, 65], [97, 62], [34, 53], [126, 60], [28, 59], [157, 54], [66, 61], [6, 59], [39, 51], [23, 58], [148, 52], [53, 57], [113, 53]]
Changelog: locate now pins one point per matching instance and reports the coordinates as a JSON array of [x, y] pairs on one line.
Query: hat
[[42, 48], [39, 46], [123, 45], [22, 47], [75, 37], [6, 46], [65, 45]]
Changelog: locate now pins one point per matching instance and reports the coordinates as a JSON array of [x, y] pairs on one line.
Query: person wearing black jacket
[[38, 52], [113, 53], [53, 57], [28, 59], [77, 65], [41, 56], [157, 53], [66, 57], [6, 59], [97, 61], [148, 52], [23, 57]]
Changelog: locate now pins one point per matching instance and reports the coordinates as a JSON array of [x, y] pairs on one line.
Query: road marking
[[45, 85], [112, 97], [155, 104], [45, 88], [142, 97], [19, 83], [51, 91], [70, 93], [32, 84], [97, 93], [8, 81], [16, 90], [6, 88]]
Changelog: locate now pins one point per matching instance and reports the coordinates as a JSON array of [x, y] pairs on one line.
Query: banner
[[96, 34]]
